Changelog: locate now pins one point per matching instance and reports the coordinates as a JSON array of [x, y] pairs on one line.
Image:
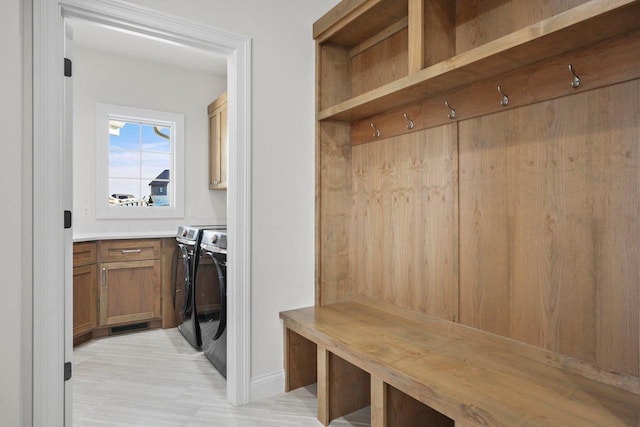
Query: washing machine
[[211, 297], [185, 265]]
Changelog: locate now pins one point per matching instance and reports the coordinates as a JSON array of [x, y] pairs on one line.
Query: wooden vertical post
[[416, 35], [323, 385], [299, 361], [378, 402]]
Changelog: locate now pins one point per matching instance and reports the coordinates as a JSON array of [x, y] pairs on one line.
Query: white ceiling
[[88, 35]]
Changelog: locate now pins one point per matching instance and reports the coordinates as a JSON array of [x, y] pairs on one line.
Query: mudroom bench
[[418, 370]]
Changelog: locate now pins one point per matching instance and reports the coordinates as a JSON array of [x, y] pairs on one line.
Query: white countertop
[[111, 235]]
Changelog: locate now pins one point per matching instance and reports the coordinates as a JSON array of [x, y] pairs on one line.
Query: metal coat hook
[[410, 125], [576, 80], [377, 131], [505, 99], [452, 111]]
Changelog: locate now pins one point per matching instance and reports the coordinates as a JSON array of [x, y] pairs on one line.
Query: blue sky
[[136, 157]]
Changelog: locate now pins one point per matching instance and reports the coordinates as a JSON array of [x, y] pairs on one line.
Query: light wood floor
[[155, 378]]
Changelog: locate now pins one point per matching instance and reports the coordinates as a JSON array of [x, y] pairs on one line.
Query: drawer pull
[[104, 277], [131, 251]]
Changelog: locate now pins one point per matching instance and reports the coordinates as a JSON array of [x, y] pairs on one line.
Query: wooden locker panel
[[550, 225], [405, 224], [333, 212]]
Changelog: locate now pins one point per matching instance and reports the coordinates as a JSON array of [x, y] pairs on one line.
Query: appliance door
[[211, 297], [213, 325], [181, 284]]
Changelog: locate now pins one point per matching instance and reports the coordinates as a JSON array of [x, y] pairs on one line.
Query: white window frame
[[106, 112]]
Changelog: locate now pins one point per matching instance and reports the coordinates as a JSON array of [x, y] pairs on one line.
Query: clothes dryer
[[185, 265], [211, 298]]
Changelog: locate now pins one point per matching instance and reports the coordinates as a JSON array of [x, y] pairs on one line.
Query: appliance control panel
[[215, 238]]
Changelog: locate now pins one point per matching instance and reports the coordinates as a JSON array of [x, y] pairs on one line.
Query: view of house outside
[[140, 156]]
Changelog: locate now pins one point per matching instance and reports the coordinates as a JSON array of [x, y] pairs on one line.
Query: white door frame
[[48, 185]]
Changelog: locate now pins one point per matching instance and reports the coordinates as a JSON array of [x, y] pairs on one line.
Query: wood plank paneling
[[614, 124], [550, 225], [481, 21], [380, 64], [404, 223], [333, 211]]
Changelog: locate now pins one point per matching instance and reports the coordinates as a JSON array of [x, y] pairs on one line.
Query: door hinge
[[67, 371], [67, 67], [67, 219]]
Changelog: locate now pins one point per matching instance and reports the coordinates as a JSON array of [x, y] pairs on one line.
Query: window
[[139, 163]]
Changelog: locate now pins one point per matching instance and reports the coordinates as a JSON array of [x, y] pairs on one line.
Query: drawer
[[84, 253], [128, 250]]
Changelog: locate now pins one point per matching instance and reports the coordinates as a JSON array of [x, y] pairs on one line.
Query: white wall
[[283, 177], [99, 77], [283, 154], [13, 282]]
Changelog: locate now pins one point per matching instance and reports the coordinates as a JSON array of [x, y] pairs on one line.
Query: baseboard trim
[[267, 385]]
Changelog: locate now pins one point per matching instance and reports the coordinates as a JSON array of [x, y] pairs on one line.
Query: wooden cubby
[[402, 410], [545, 36], [517, 218], [407, 218], [368, 51], [424, 371]]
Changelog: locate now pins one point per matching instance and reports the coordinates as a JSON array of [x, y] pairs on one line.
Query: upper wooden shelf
[[579, 27], [352, 22]]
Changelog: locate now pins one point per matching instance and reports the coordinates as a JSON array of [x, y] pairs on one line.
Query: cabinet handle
[[131, 251], [104, 277]]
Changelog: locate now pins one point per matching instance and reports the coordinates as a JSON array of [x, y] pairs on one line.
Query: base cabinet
[[130, 281], [129, 291], [84, 288]]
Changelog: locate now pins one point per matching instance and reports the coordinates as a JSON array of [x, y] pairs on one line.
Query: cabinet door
[[129, 291], [84, 299], [218, 143]]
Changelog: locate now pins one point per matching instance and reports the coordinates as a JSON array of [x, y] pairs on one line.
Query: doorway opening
[[49, 313]]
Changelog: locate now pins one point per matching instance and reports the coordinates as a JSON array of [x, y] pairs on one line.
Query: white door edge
[[67, 204]]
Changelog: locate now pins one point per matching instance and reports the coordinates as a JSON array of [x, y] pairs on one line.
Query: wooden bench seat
[[419, 370]]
